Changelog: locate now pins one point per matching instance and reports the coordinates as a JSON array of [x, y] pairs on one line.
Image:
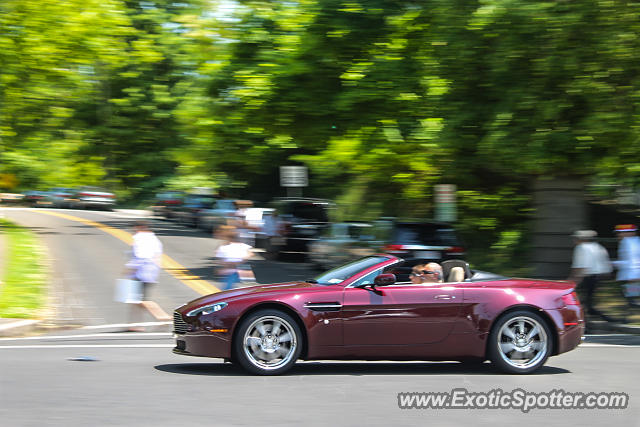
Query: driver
[[426, 273]]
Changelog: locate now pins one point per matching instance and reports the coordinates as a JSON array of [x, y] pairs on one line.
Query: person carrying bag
[[142, 272]]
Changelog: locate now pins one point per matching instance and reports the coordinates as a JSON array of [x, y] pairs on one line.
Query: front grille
[[179, 325]]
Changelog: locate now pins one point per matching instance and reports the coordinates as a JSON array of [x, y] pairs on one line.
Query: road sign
[[293, 176], [445, 202]]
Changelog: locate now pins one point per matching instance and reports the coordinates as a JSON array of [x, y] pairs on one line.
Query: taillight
[[570, 299], [455, 250], [395, 248]]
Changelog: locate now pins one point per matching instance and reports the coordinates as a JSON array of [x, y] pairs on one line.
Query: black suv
[[426, 240], [304, 219]]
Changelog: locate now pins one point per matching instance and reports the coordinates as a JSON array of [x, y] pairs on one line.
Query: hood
[[249, 290]]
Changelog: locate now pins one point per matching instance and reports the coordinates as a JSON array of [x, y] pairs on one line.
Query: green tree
[[130, 113], [45, 47]]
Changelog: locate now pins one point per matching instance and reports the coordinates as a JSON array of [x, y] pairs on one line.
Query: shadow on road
[[614, 339], [355, 369]]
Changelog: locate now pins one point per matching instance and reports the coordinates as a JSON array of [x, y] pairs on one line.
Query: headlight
[[208, 309]]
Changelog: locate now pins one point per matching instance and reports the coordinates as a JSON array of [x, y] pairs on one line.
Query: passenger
[[426, 273]]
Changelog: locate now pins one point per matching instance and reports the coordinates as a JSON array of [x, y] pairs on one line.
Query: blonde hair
[[226, 232]]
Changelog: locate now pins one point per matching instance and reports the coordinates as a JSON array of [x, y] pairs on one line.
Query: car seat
[[456, 275], [449, 265]]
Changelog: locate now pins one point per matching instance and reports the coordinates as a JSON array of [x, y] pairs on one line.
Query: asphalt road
[[134, 380], [95, 375]]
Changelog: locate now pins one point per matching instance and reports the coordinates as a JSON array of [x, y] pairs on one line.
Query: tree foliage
[[380, 98]]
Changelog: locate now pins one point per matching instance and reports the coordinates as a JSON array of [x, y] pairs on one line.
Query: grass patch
[[23, 292]]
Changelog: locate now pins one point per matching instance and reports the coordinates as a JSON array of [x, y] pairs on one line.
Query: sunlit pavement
[[111, 378]]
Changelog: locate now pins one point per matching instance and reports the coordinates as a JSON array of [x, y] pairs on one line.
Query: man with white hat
[[628, 263], [590, 262]]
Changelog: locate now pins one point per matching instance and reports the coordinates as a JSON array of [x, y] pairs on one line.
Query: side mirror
[[385, 279]]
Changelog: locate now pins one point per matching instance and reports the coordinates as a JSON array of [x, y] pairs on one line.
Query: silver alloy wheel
[[522, 342], [270, 342]]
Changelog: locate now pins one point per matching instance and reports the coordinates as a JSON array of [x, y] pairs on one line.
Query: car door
[[400, 314]]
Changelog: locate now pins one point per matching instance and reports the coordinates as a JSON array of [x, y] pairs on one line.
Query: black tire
[[520, 333], [255, 358]]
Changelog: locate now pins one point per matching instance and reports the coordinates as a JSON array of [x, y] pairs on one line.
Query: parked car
[[166, 203], [217, 215], [363, 310], [92, 198], [189, 211], [304, 221], [427, 239], [61, 197], [11, 198], [342, 242], [35, 198]]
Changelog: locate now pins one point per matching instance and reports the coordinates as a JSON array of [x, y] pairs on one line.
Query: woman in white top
[[144, 267], [232, 255]]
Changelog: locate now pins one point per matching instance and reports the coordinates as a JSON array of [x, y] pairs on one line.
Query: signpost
[[445, 202], [294, 178]]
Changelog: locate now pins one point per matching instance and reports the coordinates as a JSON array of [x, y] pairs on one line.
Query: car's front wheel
[[268, 342], [520, 342]]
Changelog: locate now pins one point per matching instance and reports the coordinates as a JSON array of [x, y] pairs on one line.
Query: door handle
[[444, 296]]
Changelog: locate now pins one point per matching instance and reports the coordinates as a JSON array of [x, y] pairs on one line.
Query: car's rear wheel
[[520, 342], [268, 342]]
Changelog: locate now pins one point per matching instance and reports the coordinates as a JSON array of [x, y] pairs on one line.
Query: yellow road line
[[169, 265]]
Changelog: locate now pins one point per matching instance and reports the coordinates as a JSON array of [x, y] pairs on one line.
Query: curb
[[624, 329], [17, 327], [601, 326]]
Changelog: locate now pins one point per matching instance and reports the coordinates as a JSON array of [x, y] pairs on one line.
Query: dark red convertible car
[[369, 310]]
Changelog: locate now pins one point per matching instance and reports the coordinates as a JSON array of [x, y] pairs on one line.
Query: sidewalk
[[17, 327]]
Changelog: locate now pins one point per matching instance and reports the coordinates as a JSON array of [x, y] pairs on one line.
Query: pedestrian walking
[[144, 266], [244, 232], [233, 258], [590, 263], [273, 230], [628, 263]]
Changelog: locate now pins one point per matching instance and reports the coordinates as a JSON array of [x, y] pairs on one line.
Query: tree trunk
[[560, 209]]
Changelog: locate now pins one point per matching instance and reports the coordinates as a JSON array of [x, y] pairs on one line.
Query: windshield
[[342, 273], [308, 211], [424, 234]]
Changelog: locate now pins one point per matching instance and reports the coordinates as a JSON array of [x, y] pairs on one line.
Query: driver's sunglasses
[[420, 273]]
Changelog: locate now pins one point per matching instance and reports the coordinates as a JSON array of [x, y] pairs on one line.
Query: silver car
[[92, 198]]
